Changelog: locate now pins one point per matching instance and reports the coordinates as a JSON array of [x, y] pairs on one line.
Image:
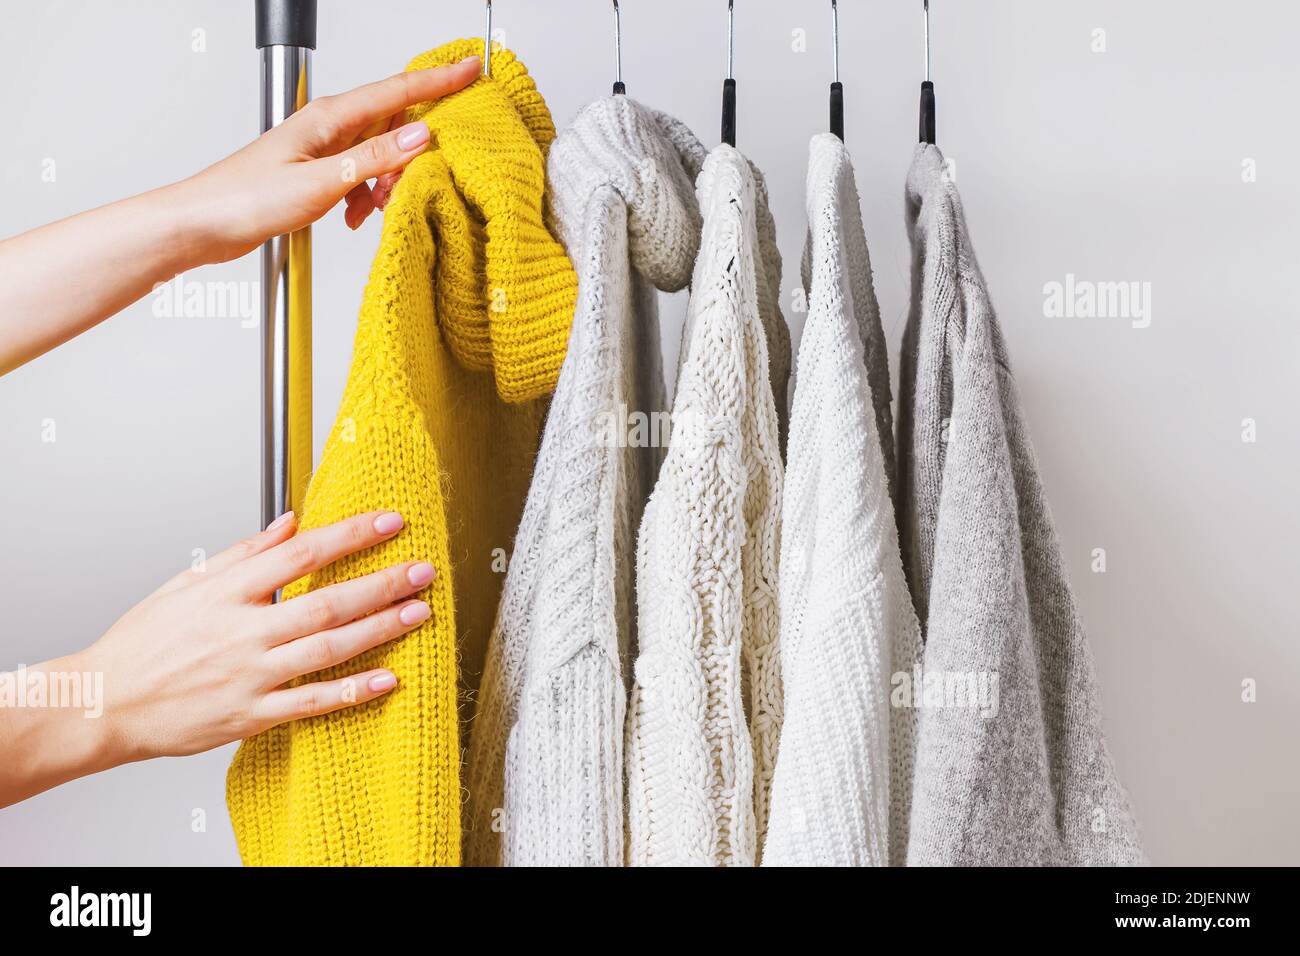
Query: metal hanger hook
[[927, 41], [487, 42], [731, 39], [618, 51], [835, 37]]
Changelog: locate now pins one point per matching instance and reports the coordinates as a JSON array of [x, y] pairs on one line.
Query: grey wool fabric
[[545, 766], [1023, 776]]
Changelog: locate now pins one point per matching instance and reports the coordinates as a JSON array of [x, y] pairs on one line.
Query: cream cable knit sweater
[[706, 704], [842, 789], [1022, 777], [545, 765]]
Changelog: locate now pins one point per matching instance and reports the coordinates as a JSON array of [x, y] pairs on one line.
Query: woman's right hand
[[204, 659]]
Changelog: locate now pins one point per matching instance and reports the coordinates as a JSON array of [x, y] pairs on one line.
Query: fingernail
[[413, 613], [382, 682], [472, 58], [390, 522], [281, 521], [420, 574], [412, 135]]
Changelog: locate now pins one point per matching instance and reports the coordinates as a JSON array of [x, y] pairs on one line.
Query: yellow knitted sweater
[[463, 328]]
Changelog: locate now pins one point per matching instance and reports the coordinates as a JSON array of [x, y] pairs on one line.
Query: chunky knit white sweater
[[545, 764], [842, 789], [706, 704]]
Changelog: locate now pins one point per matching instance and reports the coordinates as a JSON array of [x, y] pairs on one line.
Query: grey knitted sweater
[[1012, 766], [545, 764]]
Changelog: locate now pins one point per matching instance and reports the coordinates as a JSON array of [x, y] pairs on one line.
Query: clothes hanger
[[619, 88], [487, 42], [927, 88], [837, 88], [729, 84]]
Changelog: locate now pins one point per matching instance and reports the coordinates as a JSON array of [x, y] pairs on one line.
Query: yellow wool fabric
[[467, 299]]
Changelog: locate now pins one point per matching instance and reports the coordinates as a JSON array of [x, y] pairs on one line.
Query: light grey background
[[1117, 166]]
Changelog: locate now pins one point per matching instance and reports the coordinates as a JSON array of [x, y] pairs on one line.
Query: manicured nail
[[420, 574], [382, 682], [390, 522], [281, 521], [413, 613], [412, 135]]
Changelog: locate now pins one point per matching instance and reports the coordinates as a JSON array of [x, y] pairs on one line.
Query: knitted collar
[[651, 160], [504, 289]]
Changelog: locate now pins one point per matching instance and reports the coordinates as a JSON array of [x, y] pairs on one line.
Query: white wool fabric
[[545, 770], [1021, 777], [842, 788], [706, 702]]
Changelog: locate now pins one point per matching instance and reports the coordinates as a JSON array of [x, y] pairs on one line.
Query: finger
[[312, 700], [360, 204], [382, 190], [375, 156], [309, 551], [336, 605], [316, 652], [277, 531], [371, 105]]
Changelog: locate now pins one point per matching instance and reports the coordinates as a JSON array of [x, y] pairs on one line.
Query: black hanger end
[[927, 113]]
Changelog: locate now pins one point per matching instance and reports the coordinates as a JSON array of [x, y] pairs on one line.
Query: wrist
[[191, 232], [57, 726]]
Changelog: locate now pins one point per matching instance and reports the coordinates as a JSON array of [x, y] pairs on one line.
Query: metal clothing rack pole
[[286, 35]]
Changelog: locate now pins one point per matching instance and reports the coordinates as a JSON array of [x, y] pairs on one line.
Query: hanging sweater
[[841, 792], [468, 303], [1012, 767], [706, 702], [545, 767]]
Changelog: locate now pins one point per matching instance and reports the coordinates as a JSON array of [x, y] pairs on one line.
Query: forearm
[[50, 734], [64, 278]]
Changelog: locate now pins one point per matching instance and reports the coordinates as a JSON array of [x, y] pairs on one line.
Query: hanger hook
[[487, 42], [927, 41], [618, 52], [731, 39], [729, 84], [835, 37], [927, 88]]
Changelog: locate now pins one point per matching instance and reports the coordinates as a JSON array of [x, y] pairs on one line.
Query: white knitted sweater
[[706, 704], [842, 789], [545, 764]]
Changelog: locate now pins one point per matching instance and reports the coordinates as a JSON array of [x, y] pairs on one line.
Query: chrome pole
[[286, 35]]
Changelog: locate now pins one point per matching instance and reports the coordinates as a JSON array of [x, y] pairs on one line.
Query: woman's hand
[[204, 659], [103, 260], [295, 173]]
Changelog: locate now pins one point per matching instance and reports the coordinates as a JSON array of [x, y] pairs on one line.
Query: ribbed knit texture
[[494, 247], [842, 788], [1032, 784], [545, 767], [706, 704], [422, 432]]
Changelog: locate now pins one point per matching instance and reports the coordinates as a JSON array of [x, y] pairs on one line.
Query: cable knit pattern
[[706, 703], [841, 792], [1031, 783], [421, 433], [545, 767]]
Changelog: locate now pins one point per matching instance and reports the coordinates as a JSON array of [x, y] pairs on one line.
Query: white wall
[[1122, 165]]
